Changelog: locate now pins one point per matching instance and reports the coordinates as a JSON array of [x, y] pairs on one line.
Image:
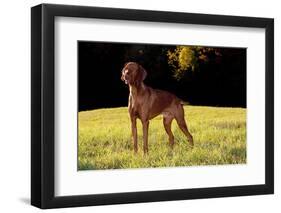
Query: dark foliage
[[219, 82]]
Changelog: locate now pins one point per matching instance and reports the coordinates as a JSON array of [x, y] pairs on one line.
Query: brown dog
[[146, 103]]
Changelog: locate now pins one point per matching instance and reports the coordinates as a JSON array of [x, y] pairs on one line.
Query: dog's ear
[[142, 73]]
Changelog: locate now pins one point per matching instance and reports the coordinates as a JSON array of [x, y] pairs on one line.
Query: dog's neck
[[136, 89]]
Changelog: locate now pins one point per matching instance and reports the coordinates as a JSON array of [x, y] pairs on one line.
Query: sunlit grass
[[105, 140]]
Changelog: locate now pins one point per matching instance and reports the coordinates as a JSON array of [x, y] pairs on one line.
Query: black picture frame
[[43, 114]]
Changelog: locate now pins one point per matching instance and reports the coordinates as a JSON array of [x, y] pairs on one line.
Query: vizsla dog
[[146, 103]]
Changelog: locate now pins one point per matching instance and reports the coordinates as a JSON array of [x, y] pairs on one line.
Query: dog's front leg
[[134, 132], [145, 125]]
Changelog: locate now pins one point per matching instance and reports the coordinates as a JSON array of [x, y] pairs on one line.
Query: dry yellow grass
[[105, 139]]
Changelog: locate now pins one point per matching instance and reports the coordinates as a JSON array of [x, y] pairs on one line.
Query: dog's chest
[[135, 105]]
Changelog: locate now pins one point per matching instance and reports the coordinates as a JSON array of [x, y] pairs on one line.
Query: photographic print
[[143, 98], [151, 105]]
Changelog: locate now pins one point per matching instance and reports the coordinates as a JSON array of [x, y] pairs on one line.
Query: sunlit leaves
[[187, 58]]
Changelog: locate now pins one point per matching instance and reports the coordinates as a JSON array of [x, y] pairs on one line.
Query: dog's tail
[[184, 102]]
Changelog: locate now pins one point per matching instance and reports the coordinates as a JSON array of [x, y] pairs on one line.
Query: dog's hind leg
[[182, 124], [167, 121]]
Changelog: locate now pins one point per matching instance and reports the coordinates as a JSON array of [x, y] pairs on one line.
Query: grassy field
[[105, 139]]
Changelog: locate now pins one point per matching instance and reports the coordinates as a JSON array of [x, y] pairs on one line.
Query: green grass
[[105, 140]]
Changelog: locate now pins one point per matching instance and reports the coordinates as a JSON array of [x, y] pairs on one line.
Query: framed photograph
[[139, 106]]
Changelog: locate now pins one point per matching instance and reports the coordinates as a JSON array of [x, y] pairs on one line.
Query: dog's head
[[133, 73]]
